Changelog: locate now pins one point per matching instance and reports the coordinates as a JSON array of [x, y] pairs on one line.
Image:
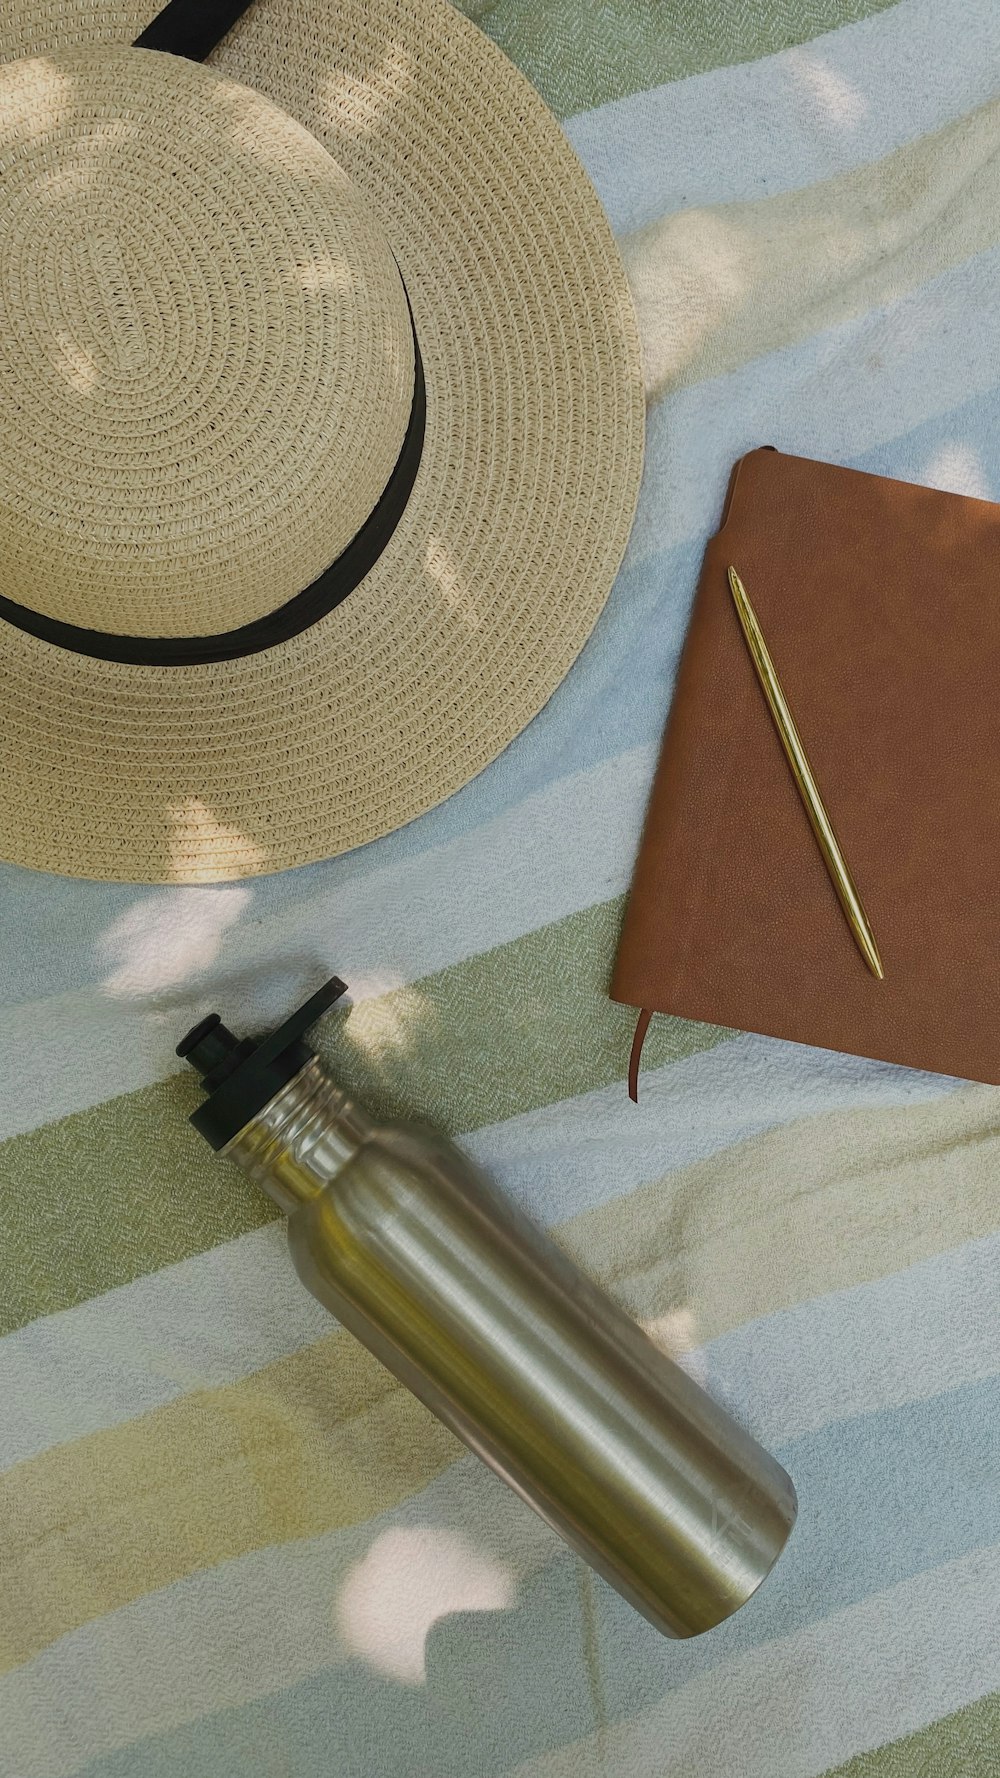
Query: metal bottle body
[[483, 1317]]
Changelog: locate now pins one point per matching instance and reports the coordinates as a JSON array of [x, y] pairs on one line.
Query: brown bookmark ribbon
[[633, 1062]]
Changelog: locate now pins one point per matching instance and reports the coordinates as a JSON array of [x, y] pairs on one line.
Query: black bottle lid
[[242, 1076]]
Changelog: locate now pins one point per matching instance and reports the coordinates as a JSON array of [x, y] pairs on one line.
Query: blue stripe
[[972, 425]]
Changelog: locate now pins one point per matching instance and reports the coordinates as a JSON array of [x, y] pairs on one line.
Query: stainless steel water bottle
[[510, 1344]]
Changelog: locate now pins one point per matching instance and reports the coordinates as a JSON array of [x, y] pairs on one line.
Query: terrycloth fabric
[[229, 1544]]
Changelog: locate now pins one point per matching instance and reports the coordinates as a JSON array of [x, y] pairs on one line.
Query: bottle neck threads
[[301, 1139]]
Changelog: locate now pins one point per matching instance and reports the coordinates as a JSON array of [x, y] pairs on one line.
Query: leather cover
[[880, 604]]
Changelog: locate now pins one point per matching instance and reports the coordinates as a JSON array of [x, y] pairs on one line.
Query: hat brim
[[513, 532]]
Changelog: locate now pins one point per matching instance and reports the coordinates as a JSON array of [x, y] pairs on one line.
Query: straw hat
[[320, 425]]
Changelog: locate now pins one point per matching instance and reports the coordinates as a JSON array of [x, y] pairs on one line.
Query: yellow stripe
[[324, 1438], [802, 1210], [719, 286], [317, 1441]]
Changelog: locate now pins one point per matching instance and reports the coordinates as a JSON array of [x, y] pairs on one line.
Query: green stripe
[[582, 56], [108, 1194], [525, 1025], [965, 1745], [124, 1188]]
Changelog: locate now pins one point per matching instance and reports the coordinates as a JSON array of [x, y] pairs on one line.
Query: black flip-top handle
[[299, 1022], [241, 1077]]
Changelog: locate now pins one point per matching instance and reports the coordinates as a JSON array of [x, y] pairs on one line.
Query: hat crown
[[109, 325], [206, 354]]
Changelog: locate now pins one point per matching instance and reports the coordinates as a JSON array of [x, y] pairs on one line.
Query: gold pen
[[822, 827]]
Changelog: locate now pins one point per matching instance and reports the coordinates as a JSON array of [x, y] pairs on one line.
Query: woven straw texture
[[210, 359], [210, 353]]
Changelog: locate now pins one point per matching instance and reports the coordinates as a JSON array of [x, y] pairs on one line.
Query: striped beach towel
[[230, 1545]]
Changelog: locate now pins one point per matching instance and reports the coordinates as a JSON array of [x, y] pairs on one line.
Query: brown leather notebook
[[880, 604]]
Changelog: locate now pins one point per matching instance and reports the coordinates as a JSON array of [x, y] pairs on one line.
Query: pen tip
[[872, 958]]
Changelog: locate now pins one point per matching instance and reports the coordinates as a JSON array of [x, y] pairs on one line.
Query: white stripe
[[198, 1325], [567, 1157], [906, 1338], [834, 396], [793, 1708], [791, 119], [221, 1315], [177, 953]]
